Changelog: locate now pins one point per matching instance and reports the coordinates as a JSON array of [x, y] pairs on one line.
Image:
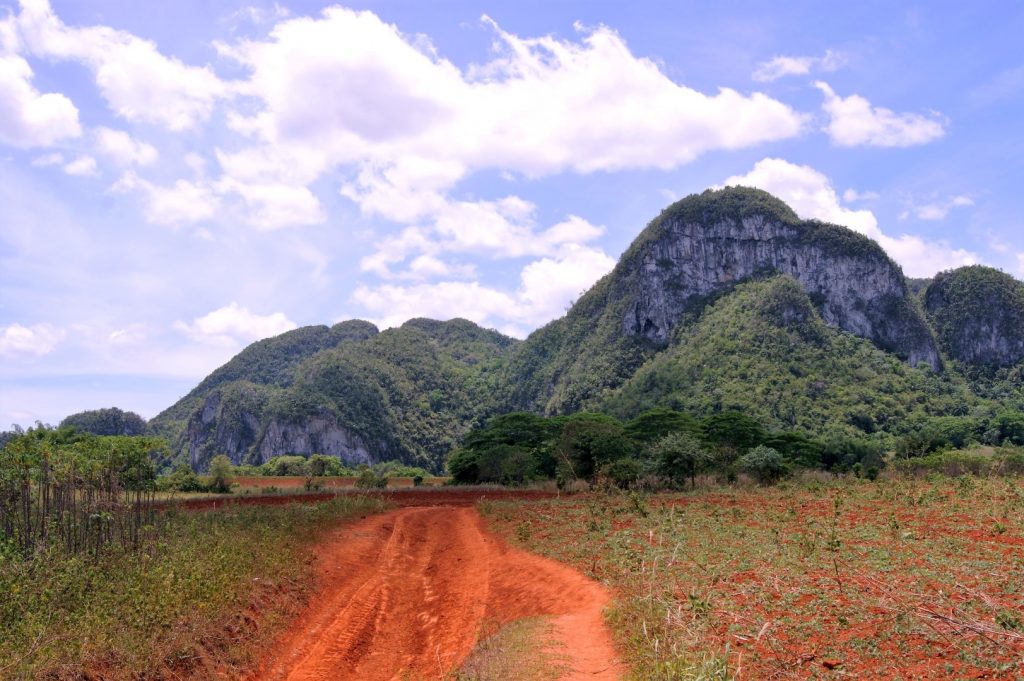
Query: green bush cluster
[[658, 447]]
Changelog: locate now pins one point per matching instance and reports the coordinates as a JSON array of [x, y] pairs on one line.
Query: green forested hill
[[726, 301], [765, 351], [408, 393]]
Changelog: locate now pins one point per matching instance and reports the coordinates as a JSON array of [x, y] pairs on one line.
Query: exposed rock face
[[318, 435], [857, 288], [231, 424], [978, 313]]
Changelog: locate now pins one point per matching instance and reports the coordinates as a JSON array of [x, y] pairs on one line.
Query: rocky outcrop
[[235, 422], [317, 435], [685, 261], [978, 314]]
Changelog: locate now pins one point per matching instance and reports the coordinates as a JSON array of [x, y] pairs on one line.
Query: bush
[[680, 456], [220, 474], [625, 473], [370, 479], [764, 464]]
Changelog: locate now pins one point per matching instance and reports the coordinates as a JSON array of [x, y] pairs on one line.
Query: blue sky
[[179, 179]]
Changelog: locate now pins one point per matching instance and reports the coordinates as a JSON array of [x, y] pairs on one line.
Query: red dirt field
[[396, 497], [405, 594]]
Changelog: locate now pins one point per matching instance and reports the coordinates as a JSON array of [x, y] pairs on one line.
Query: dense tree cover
[[268, 362], [409, 394], [978, 315], [319, 465], [662, 444], [764, 351], [110, 421]]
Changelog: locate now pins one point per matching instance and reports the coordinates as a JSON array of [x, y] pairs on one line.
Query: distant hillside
[[764, 349], [407, 393], [727, 300], [695, 251]]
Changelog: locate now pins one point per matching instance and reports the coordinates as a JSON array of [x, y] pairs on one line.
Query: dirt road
[[404, 594]]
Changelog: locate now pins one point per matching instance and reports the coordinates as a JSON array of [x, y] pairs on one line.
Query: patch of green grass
[[194, 603], [523, 650]]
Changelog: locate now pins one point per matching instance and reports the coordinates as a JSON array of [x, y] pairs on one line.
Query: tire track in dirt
[[403, 595]]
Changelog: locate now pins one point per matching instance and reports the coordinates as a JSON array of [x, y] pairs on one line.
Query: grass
[[902, 578], [197, 603], [519, 651]]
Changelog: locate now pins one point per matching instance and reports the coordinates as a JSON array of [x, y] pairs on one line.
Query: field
[[899, 578]]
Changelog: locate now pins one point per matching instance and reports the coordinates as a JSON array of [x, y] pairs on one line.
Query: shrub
[[370, 479], [220, 474], [623, 472], [764, 464], [679, 456]]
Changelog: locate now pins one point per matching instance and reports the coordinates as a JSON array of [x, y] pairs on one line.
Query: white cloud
[[137, 81], [413, 125], [811, 195], [29, 341], [780, 66], [183, 202], [851, 195], [937, 209], [1020, 263], [47, 160], [546, 289], [27, 117], [133, 334], [122, 149], [81, 166], [272, 206], [853, 121], [233, 324]]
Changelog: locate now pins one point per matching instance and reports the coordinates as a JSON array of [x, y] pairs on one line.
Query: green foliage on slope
[[409, 393], [763, 350], [110, 421], [978, 315]]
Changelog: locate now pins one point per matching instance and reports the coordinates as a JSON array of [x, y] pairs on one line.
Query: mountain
[[697, 250], [725, 301], [978, 314], [765, 349], [408, 393]]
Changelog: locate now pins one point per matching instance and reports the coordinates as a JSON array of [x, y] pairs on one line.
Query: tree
[[659, 422], [764, 464], [732, 430], [680, 456], [590, 440], [220, 474]]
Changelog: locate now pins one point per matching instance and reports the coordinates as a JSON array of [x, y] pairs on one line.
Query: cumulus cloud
[[233, 324], [29, 118], [853, 121], [181, 203], [937, 209], [781, 66], [119, 147], [137, 81], [811, 194], [852, 195], [36, 340], [546, 288], [414, 125], [274, 205], [81, 166], [47, 160]]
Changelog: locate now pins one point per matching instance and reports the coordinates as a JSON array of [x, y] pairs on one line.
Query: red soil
[[405, 595]]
